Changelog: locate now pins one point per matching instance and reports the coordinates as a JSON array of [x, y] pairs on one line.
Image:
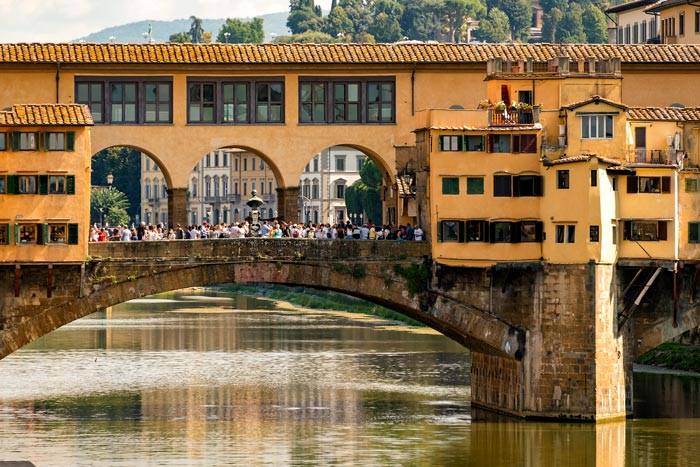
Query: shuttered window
[[693, 232], [527, 185], [525, 144], [450, 143], [3, 184], [450, 185], [475, 185], [72, 234], [4, 234], [502, 185], [449, 231], [645, 231]]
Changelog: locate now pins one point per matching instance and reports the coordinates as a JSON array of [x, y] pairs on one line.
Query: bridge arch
[[150, 154]]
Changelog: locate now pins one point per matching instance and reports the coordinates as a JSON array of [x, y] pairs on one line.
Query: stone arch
[[151, 155], [268, 160], [389, 173]]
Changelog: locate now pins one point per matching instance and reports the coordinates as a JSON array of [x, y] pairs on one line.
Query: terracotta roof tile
[[46, 115], [595, 100], [670, 114], [76, 53]]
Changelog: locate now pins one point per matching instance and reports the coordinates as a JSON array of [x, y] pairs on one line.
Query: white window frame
[[601, 127]]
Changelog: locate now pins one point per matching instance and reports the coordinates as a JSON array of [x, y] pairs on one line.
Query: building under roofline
[[679, 21], [631, 24]]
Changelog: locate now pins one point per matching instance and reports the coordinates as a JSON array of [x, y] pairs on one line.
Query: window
[[527, 185], [635, 33], [3, 141], [340, 163], [380, 102], [26, 184], [692, 185], [474, 143], [202, 105], [57, 233], [525, 144], [450, 185], [340, 191], [27, 233], [563, 179], [268, 102], [346, 102], [450, 143], [448, 231], [314, 189], [252, 164], [55, 141], [158, 102], [627, 34], [697, 20], [235, 102], [614, 235], [360, 162], [525, 97], [57, 184], [594, 233], [645, 231], [26, 141], [122, 102], [91, 94], [3, 184], [475, 185], [502, 185], [477, 231], [637, 184], [313, 102], [499, 143], [596, 126], [693, 232], [501, 232], [643, 32], [681, 23], [620, 37], [530, 231], [594, 178], [4, 234], [565, 233]]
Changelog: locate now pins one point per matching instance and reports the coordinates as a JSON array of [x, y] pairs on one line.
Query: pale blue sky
[[63, 20]]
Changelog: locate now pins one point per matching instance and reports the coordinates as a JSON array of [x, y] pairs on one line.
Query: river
[[205, 377]]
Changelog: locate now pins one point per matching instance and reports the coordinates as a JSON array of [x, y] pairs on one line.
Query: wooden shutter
[[665, 184], [70, 141], [441, 145], [12, 184], [462, 231], [484, 229], [516, 185], [15, 140], [8, 234], [72, 234], [516, 143], [492, 232], [627, 230], [529, 143], [539, 231], [539, 185], [41, 230], [516, 229], [70, 184], [693, 232], [632, 184], [461, 144], [663, 231], [16, 234], [43, 184], [489, 143], [439, 231]]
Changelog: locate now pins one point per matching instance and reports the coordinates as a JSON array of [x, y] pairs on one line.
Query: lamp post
[[254, 203]]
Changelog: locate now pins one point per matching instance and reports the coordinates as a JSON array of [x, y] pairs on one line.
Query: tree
[[338, 23], [364, 196], [454, 16], [595, 24], [304, 15], [125, 164], [550, 24], [421, 19], [519, 13], [309, 37], [495, 27], [570, 28], [242, 32], [386, 24], [196, 30], [108, 203], [180, 37]]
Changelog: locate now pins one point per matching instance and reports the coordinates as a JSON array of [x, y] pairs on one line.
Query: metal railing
[[655, 156], [514, 117]]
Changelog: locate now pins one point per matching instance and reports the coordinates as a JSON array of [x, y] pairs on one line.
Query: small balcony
[[513, 117], [222, 199], [656, 156]]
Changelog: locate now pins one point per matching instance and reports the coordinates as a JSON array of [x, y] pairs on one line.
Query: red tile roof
[[401, 53], [46, 115], [670, 114]]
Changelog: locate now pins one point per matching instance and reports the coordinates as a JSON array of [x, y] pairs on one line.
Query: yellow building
[[567, 180], [44, 183], [679, 21]]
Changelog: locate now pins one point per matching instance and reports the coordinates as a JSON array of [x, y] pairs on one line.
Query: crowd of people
[[268, 229]]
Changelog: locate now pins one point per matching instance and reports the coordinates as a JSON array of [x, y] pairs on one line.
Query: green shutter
[[15, 140], [461, 144], [40, 239], [45, 232], [11, 184], [72, 234], [70, 184], [439, 231], [693, 232], [70, 141], [43, 184], [15, 235], [8, 234]]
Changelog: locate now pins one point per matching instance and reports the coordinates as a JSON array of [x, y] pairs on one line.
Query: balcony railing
[[514, 117], [231, 198], [656, 156]]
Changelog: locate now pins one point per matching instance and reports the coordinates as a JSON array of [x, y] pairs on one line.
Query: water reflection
[[216, 379]]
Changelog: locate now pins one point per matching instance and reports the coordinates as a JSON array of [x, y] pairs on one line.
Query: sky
[[64, 20]]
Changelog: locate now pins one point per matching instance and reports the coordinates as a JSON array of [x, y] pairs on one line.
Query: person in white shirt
[[126, 235], [364, 232], [418, 234]]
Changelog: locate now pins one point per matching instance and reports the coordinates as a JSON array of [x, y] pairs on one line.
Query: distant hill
[[274, 23]]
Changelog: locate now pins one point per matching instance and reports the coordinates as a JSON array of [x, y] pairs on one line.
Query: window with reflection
[[268, 103], [346, 102], [235, 102], [123, 103], [202, 104], [158, 102], [380, 102], [313, 102]]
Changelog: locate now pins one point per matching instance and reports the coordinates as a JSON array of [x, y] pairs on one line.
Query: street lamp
[[110, 180], [254, 203]]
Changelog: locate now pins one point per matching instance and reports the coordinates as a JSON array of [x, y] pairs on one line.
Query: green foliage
[[570, 30], [672, 355], [109, 204], [304, 15], [495, 28], [364, 196], [338, 24], [196, 30], [242, 32], [125, 164], [595, 24], [308, 37], [550, 24], [386, 23], [519, 13], [417, 277], [180, 37], [454, 14], [421, 19]]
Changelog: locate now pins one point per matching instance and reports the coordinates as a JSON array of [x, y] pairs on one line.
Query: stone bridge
[[544, 338]]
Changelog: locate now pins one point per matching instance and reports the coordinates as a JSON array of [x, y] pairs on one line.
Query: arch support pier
[[177, 206], [289, 204]]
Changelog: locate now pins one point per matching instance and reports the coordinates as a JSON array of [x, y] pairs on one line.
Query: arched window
[[306, 191], [193, 191], [315, 189], [224, 185], [207, 186], [216, 185], [147, 191], [156, 189], [340, 189], [165, 190]]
